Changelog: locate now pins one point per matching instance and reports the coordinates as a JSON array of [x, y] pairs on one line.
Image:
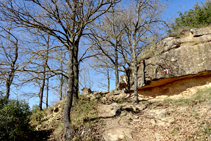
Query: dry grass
[[83, 110], [183, 31], [192, 119]]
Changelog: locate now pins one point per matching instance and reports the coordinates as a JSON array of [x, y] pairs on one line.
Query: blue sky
[[180, 5], [171, 13]]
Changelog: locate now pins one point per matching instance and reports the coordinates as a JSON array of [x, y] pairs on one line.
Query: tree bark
[[135, 70], [135, 84], [143, 74], [47, 89], [73, 50], [61, 86], [116, 65], [76, 74], [9, 80], [128, 74], [7, 91], [108, 78], [46, 75], [61, 81], [70, 93], [42, 89]]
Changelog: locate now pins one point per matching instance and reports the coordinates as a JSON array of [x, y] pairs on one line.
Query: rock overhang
[[187, 57]]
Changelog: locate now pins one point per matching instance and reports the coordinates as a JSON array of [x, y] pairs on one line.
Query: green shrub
[[37, 115], [197, 17], [2, 100], [14, 121], [35, 109]]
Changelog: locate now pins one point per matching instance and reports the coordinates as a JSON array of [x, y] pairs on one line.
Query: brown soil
[[160, 121]]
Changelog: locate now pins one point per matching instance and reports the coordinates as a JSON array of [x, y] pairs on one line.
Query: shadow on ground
[[118, 113], [43, 135]]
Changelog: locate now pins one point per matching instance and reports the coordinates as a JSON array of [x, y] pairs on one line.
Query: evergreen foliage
[[2, 100], [37, 115], [197, 17], [14, 121]]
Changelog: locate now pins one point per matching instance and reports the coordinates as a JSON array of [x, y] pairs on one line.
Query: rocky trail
[[158, 119], [113, 117]]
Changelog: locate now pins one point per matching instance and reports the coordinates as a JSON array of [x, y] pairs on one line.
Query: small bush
[[2, 100], [207, 129], [35, 109], [37, 115], [14, 121]]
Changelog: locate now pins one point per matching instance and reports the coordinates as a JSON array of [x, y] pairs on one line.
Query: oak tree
[[67, 21]]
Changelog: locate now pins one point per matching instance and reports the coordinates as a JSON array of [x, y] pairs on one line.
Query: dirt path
[[116, 127], [159, 122]]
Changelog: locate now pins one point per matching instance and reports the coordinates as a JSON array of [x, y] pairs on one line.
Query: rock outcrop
[[187, 59], [94, 95]]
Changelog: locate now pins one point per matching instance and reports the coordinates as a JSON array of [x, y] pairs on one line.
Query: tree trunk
[[70, 93], [44, 77], [42, 89], [46, 63], [116, 65], [135, 83], [61, 86], [135, 71], [128, 74], [143, 74], [76, 74], [108, 78], [61, 81], [47, 89], [11, 76], [7, 91], [116, 75]]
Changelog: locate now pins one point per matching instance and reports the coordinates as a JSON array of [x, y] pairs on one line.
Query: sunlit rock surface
[[187, 59]]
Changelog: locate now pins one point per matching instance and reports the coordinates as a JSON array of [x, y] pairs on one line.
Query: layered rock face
[[187, 59]]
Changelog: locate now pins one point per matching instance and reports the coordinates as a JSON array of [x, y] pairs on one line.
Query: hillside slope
[[186, 116]]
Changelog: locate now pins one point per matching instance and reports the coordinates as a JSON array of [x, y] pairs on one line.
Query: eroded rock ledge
[[187, 58]]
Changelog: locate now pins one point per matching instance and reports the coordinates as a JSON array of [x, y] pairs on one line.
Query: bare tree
[[40, 47], [44, 76], [9, 55], [101, 65], [61, 79], [47, 90], [109, 34], [141, 21], [68, 22], [41, 63], [86, 78], [60, 70]]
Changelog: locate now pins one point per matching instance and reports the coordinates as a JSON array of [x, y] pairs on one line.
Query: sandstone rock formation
[[187, 59], [86, 91], [94, 95]]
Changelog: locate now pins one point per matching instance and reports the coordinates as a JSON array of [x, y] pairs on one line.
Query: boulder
[[200, 32], [116, 109], [94, 95], [121, 85], [103, 100], [86, 91]]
